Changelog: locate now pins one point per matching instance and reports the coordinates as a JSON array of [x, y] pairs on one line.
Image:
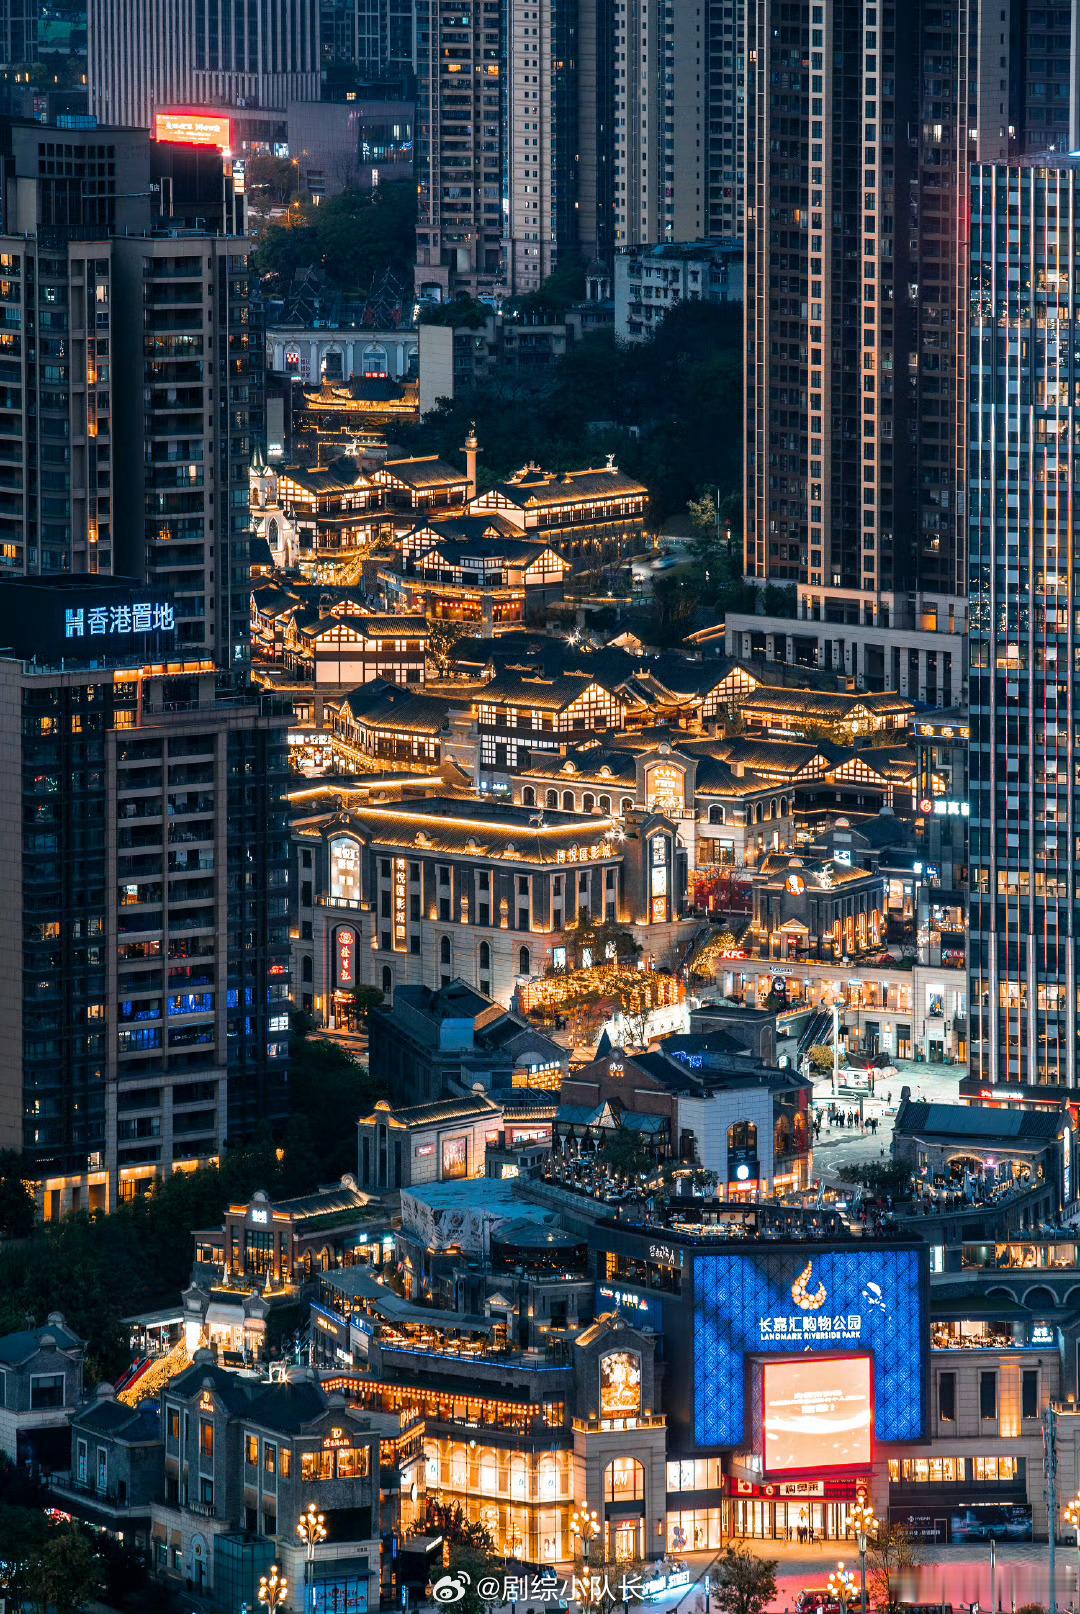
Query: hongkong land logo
[[805, 1298]]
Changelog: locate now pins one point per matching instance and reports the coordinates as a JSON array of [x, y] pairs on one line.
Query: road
[[845, 1146], [952, 1575]]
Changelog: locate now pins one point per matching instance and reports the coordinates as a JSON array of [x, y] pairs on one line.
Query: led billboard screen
[[817, 1414], [193, 129], [795, 1299]]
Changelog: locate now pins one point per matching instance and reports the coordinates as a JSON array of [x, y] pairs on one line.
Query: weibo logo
[[805, 1298]]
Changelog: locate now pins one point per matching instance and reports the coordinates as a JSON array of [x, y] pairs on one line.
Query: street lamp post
[[311, 1528], [863, 1521], [273, 1589], [585, 1524], [841, 1587]]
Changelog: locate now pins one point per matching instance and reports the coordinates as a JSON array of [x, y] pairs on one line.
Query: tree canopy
[[354, 237], [745, 1583], [98, 1269], [670, 409]]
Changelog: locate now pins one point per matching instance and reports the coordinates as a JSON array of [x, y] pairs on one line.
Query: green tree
[[463, 313], [821, 1058], [600, 941], [65, 1574], [23, 1534], [879, 1177], [442, 639], [326, 1085], [745, 1583], [670, 409], [283, 250], [367, 998], [358, 234], [891, 1552], [275, 180], [16, 1199], [626, 1152]]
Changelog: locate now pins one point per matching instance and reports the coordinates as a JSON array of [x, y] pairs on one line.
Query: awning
[[225, 1314]]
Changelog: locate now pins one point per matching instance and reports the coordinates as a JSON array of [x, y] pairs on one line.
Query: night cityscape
[[540, 786]]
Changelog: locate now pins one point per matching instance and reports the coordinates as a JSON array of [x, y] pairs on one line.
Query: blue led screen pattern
[[790, 1301]]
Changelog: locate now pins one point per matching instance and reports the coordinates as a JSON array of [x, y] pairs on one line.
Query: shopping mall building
[[722, 1372]]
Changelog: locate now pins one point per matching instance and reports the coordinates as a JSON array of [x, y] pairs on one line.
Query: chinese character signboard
[[854, 1303], [400, 899], [117, 621], [345, 957], [79, 619]]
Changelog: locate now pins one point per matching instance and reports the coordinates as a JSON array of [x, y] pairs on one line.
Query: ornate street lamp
[[841, 1587], [311, 1528], [862, 1520], [1072, 1519], [273, 1589], [585, 1524]]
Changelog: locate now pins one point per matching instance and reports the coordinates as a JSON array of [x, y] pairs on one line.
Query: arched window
[[549, 1477], [387, 981], [627, 804], [605, 804], [524, 962], [568, 801], [588, 802], [782, 1136], [742, 1137], [716, 813], [374, 361], [528, 797], [431, 1464], [333, 364], [489, 1472], [485, 955], [552, 798], [624, 1480]]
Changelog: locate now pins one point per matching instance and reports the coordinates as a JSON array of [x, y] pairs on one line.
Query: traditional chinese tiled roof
[[546, 694], [540, 488], [480, 829], [824, 705], [424, 471], [391, 706]]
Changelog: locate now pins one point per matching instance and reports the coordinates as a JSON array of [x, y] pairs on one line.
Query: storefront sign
[[823, 1490], [641, 1309], [345, 957], [400, 901]]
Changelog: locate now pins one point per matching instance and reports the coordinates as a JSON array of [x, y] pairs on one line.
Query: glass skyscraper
[[1024, 621]]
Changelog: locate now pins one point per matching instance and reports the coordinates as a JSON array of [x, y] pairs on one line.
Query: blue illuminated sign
[[97, 621], [809, 1299]]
